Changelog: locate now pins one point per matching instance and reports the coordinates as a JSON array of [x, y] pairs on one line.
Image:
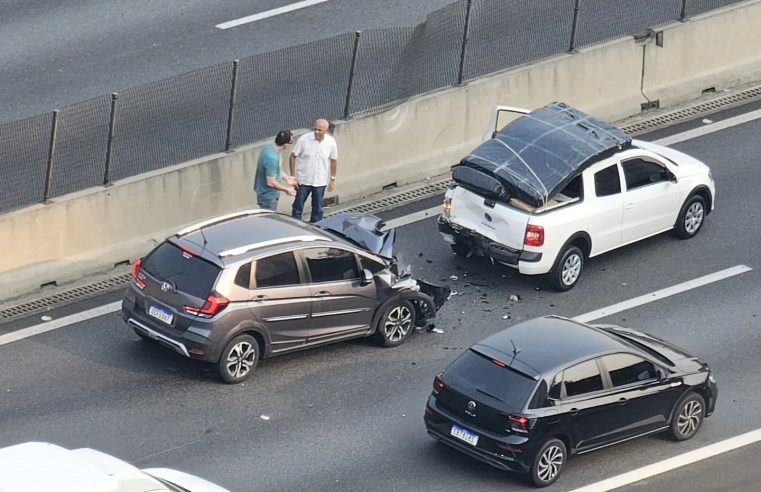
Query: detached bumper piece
[[484, 246]]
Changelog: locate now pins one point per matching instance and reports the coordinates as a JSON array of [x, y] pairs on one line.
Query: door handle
[[259, 298], [629, 206], [322, 293]]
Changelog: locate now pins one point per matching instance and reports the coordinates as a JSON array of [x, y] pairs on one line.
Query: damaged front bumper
[[427, 298]]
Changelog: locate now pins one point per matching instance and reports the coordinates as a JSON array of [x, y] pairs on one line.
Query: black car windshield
[[476, 371], [189, 274]]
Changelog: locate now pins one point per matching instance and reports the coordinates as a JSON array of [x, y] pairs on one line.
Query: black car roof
[[550, 343]]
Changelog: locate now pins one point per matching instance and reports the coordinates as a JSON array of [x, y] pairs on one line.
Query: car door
[[343, 303], [591, 410], [647, 396], [606, 213], [651, 198], [280, 300]]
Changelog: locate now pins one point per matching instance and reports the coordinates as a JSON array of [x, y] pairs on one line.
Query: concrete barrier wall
[[94, 229]]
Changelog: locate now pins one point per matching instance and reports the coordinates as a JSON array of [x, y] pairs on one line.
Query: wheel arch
[[580, 239], [704, 192], [247, 328]]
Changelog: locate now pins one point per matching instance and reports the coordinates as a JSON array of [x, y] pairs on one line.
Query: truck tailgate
[[502, 224]]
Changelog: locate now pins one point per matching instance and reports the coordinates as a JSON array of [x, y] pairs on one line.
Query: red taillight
[[187, 250], [135, 273], [520, 424], [534, 235], [213, 305], [499, 363], [438, 384]]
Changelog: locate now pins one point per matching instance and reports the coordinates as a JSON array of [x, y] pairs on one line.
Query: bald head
[[320, 127]]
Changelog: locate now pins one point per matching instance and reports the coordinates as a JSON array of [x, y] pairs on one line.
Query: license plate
[[448, 238], [160, 314], [464, 435]]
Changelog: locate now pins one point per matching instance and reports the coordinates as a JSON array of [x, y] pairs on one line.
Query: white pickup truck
[[556, 186]]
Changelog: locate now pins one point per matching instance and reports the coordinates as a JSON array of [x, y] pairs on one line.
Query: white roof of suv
[[44, 467]]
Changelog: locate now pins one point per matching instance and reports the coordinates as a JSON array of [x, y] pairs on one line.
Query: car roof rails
[[223, 218], [250, 247]]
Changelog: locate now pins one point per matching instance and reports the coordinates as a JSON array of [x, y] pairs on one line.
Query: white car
[[557, 186], [45, 467]]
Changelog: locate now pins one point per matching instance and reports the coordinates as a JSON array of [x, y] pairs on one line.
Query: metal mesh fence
[[695, 7], [503, 34], [290, 88], [80, 146], [171, 121], [600, 20], [23, 161]]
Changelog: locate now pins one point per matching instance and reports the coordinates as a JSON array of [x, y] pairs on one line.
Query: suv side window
[[331, 264], [371, 265], [607, 181], [639, 172], [627, 369], [582, 378], [243, 277], [277, 270]]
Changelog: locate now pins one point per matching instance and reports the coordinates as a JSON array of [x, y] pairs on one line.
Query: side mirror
[[367, 277]]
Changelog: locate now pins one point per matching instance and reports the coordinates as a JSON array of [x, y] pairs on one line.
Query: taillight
[[447, 207], [520, 424], [136, 275], [438, 384], [213, 305], [534, 235]]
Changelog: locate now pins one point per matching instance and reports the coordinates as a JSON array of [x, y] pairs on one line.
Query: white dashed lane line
[[269, 13]]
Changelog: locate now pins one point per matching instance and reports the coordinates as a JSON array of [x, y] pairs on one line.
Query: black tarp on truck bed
[[537, 155]]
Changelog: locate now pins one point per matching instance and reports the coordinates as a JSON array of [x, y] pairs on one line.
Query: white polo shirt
[[313, 159]]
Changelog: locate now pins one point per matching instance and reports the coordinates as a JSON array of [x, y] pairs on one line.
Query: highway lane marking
[[673, 463], [269, 13], [411, 218], [663, 293], [713, 127], [59, 323]]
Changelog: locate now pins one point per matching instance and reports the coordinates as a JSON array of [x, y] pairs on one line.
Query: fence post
[[683, 13], [463, 49], [572, 46], [109, 144], [352, 71], [231, 110], [51, 153]]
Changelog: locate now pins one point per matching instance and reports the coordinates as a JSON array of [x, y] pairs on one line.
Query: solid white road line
[[663, 293], [60, 323], [713, 127], [672, 463], [414, 217], [269, 13]]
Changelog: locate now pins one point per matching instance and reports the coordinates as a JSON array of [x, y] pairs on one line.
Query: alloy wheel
[[571, 269], [550, 463], [693, 218], [241, 359], [689, 418], [398, 323]]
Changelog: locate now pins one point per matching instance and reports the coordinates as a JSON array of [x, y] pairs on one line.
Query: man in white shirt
[[313, 161]]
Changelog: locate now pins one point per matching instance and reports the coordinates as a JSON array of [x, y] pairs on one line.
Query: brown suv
[[255, 284]]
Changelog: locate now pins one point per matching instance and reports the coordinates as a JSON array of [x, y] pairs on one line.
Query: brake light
[[187, 251], [135, 273], [520, 424], [534, 235], [213, 305], [447, 207], [499, 363], [438, 384]]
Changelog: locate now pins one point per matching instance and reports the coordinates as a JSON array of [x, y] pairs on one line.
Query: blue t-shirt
[[268, 165]]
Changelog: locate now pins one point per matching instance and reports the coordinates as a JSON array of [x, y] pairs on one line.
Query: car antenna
[[516, 350]]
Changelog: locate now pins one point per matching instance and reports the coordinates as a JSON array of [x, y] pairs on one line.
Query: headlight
[[447, 207], [711, 377]]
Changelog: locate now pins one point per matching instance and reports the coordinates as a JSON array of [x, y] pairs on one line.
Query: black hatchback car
[[526, 398]]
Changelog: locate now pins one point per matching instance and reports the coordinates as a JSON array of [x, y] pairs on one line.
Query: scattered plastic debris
[[514, 297], [707, 121], [404, 416], [264, 417], [45, 318], [454, 293], [453, 277], [505, 316]]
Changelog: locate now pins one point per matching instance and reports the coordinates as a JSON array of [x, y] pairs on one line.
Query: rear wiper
[[489, 394]]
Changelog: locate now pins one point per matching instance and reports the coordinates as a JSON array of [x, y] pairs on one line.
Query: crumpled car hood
[[364, 230]]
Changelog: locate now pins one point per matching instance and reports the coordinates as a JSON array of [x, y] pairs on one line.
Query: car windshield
[[474, 370], [189, 274]]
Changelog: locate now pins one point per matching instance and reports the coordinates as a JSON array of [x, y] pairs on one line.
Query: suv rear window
[[189, 274], [473, 370]]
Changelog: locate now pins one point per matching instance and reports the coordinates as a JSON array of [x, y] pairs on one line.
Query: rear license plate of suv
[[464, 435], [161, 314]]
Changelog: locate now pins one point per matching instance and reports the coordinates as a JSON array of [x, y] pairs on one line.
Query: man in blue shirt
[[270, 180]]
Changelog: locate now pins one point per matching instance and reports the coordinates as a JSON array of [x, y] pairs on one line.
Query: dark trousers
[[317, 192]]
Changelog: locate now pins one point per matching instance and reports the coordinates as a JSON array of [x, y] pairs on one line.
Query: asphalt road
[[349, 416]]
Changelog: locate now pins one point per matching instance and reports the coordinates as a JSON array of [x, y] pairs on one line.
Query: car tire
[[239, 358], [461, 249], [396, 324], [548, 463], [567, 269], [691, 217], [688, 417]]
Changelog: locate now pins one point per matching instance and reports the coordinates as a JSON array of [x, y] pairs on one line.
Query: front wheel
[[239, 358], [691, 217], [567, 269], [688, 417], [396, 323], [549, 463]]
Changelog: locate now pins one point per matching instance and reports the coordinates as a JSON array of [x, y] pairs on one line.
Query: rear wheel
[[396, 323], [691, 217], [461, 248], [549, 463], [688, 417], [567, 269], [239, 358]]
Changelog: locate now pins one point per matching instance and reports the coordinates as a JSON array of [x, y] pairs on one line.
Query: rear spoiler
[[508, 360]]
